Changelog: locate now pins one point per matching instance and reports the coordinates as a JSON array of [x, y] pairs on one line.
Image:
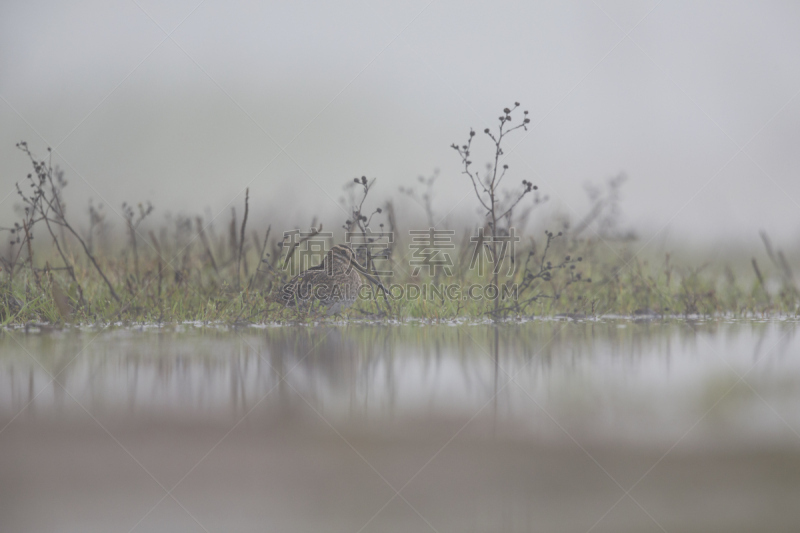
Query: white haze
[[697, 102]]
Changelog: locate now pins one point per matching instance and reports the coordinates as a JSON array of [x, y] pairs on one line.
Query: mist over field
[[187, 104], [256, 274]]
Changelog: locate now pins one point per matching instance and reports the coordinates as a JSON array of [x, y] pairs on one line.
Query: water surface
[[609, 425]]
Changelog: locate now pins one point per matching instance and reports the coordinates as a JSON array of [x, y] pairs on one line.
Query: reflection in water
[[650, 373], [560, 392]]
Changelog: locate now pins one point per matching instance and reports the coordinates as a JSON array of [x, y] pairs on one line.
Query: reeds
[[189, 272]]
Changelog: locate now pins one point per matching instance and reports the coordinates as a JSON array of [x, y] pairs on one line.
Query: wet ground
[[610, 425]]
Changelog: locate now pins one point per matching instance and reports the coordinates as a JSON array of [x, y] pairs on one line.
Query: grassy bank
[[178, 274], [59, 267]]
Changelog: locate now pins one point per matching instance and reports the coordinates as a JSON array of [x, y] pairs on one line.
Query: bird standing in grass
[[334, 284]]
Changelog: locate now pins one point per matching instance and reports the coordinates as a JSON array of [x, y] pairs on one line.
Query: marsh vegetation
[[59, 265]]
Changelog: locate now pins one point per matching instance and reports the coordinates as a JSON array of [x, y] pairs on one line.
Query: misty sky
[[185, 104]]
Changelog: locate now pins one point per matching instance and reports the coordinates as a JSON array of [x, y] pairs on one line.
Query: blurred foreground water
[[609, 425]]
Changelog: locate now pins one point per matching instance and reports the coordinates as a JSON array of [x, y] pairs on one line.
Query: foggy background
[[186, 103]]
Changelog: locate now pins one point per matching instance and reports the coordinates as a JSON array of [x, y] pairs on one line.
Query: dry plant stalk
[[206, 245], [241, 238]]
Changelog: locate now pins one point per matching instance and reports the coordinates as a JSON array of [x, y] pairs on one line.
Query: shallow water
[[610, 425]]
